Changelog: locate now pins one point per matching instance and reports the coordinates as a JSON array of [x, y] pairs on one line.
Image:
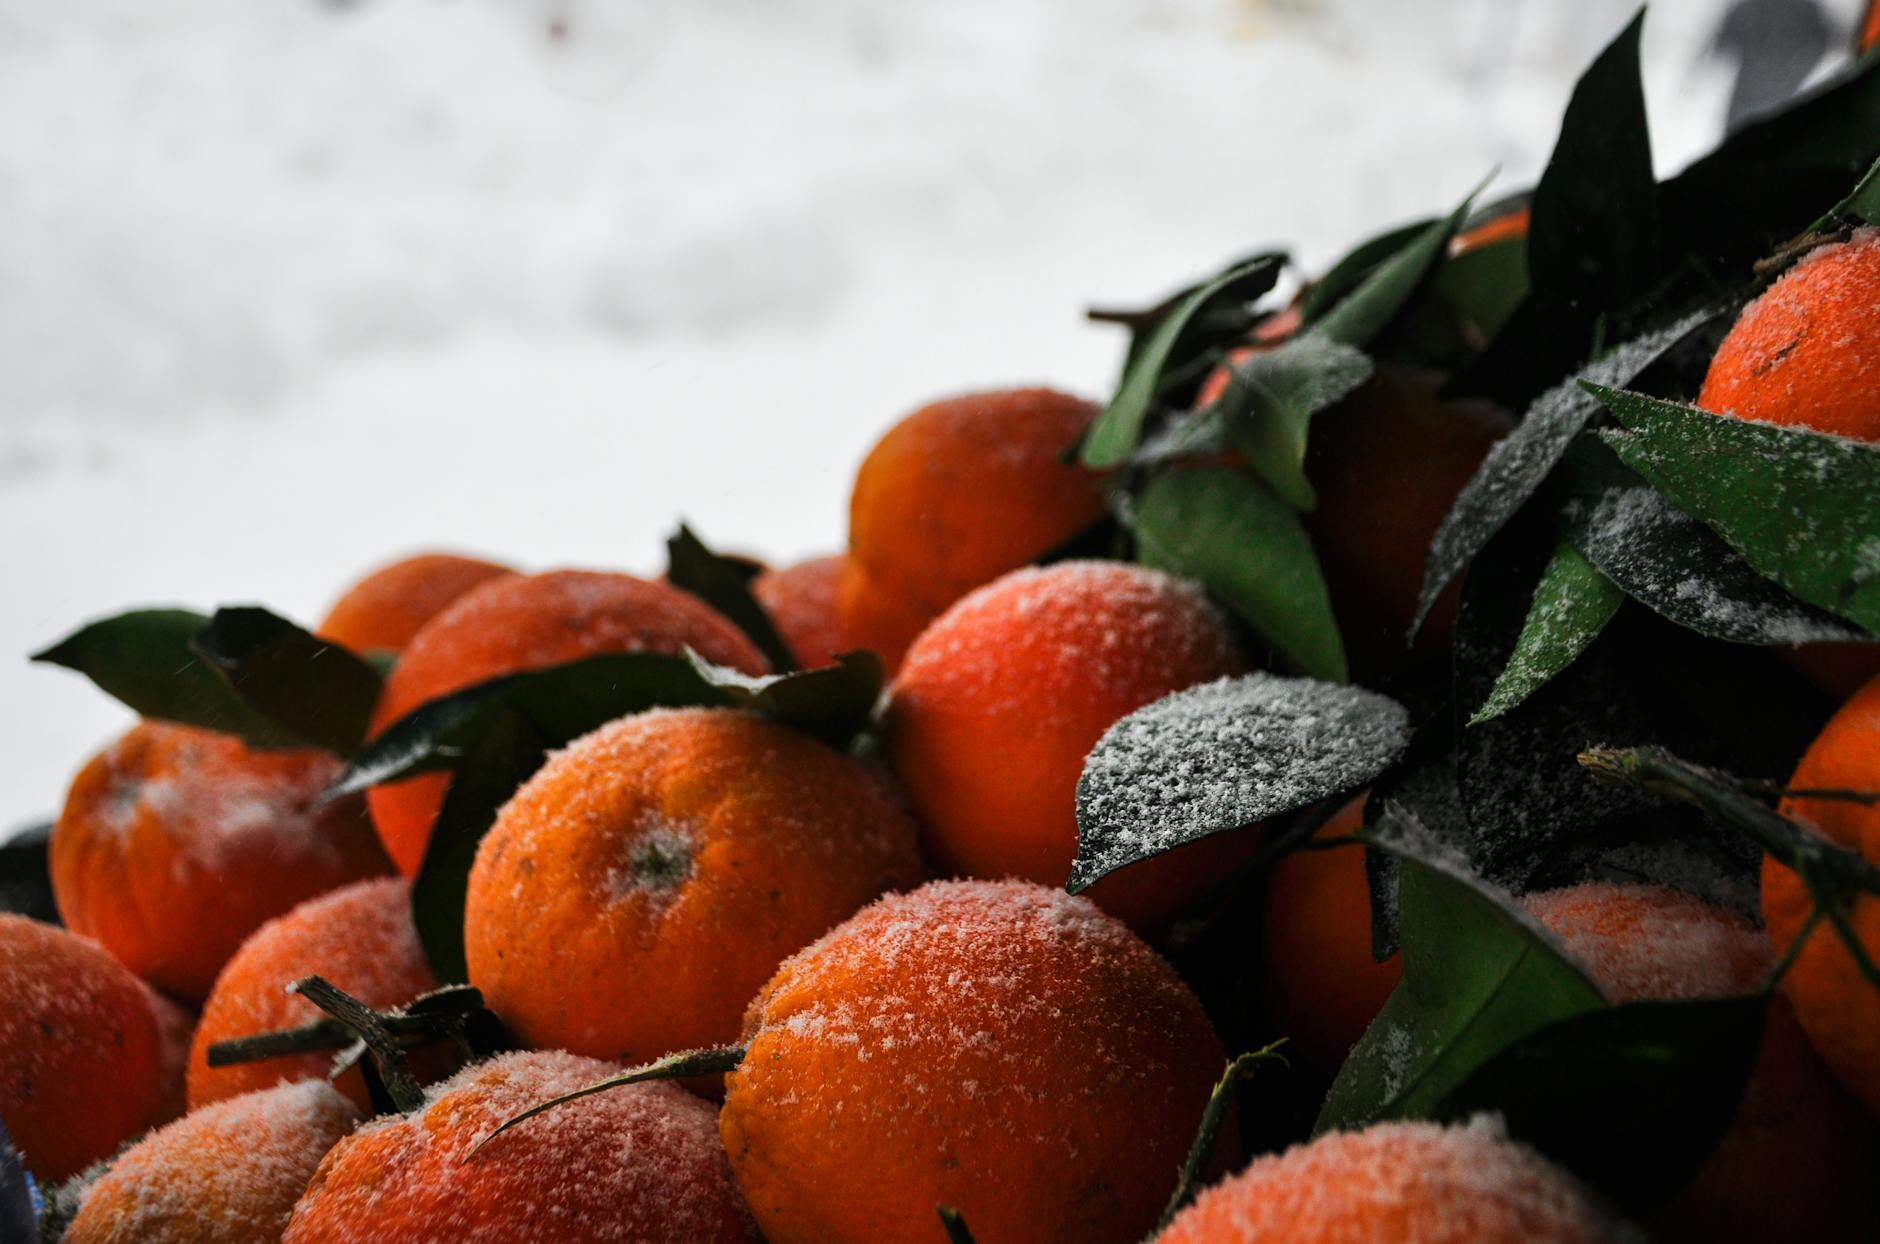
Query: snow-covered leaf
[[1224, 755], [1227, 530], [1802, 507], [1571, 607], [1269, 402]]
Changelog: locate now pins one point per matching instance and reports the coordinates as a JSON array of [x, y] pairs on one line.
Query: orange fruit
[[176, 1027], [176, 843], [1799, 1160], [1406, 1183], [519, 622], [1510, 226], [646, 882], [1000, 700], [802, 603], [1837, 1007], [997, 1047], [1318, 980], [953, 496], [636, 1165], [384, 610], [227, 1174], [1870, 26], [360, 938], [81, 1071]]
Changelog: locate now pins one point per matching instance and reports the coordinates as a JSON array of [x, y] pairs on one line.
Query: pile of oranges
[[918, 1026]]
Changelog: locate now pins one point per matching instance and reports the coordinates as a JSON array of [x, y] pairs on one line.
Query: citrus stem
[[388, 1054], [1201, 1153], [680, 1066]]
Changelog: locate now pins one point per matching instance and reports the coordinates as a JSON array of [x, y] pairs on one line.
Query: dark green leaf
[[317, 689], [1225, 529], [1357, 265], [1632, 1099], [1671, 563], [832, 702], [1483, 286], [499, 759], [1116, 431], [1222, 756], [25, 876], [1571, 607], [1862, 203], [144, 659], [1363, 313], [1521, 462], [1269, 402], [1479, 975], [1593, 240], [1803, 508], [724, 583]]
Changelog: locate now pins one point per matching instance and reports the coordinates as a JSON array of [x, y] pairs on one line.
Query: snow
[[295, 287]]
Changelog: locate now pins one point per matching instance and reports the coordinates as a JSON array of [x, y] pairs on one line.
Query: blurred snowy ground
[[291, 287]]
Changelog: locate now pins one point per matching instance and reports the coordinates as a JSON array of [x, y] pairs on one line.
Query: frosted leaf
[[1222, 755], [1669, 561], [1520, 462]]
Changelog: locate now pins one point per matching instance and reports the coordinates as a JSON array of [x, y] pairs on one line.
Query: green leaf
[[25, 874], [315, 688], [1479, 975], [1862, 203], [1228, 531], [1632, 1099], [1677, 567], [724, 583], [1518, 464], [1352, 270], [1269, 402], [1116, 431], [832, 702], [1362, 314], [1593, 237], [1802, 507], [1222, 756], [143, 658], [1483, 286], [1571, 607]]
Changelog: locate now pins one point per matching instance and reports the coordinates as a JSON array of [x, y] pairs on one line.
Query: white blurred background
[[289, 287]]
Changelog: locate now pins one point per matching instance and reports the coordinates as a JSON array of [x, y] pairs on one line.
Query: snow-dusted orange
[[640, 888], [226, 1174], [1001, 699], [176, 843], [360, 938], [637, 1165], [384, 610], [519, 622], [997, 1047]]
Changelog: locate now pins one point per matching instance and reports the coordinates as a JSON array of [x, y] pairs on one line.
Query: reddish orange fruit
[[955, 495], [1870, 26], [1799, 1160], [1510, 226], [176, 843], [384, 610], [1000, 700], [1318, 980], [997, 1047], [81, 1068], [1406, 1183], [176, 1026], [638, 890], [518, 623], [1837, 1007], [802, 603], [360, 938], [636, 1165], [228, 1174]]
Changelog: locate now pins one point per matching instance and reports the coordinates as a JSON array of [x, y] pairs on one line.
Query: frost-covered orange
[[522, 622], [360, 938], [636, 1165], [1405, 1183], [641, 887], [953, 496], [384, 610], [227, 1174], [1318, 980], [1837, 1007], [1000, 700], [802, 602], [176, 843], [81, 1067], [1807, 352], [1799, 1160], [997, 1047]]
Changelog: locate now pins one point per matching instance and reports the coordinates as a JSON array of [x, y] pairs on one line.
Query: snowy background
[[291, 287]]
